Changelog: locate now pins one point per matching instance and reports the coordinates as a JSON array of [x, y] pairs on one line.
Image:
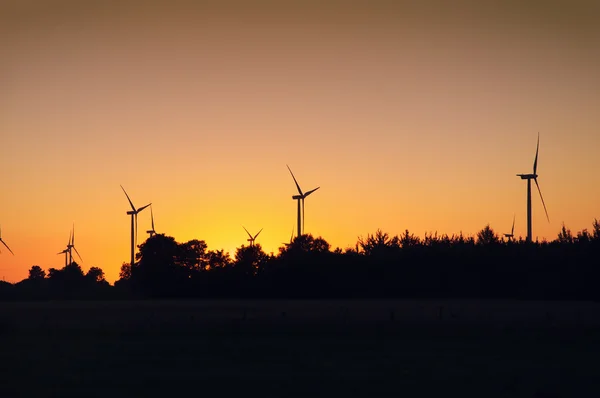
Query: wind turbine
[[300, 198], [512, 231], [133, 213], [4, 243], [151, 232], [251, 238], [533, 177], [71, 246], [291, 238]]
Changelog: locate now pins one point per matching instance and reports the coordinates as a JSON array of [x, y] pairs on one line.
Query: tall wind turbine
[[300, 198], [71, 246], [533, 177], [151, 232], [512, 231], [251, 238], [133, 213], [4, 243]]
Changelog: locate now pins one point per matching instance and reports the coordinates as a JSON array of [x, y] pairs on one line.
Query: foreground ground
[[287, 348]]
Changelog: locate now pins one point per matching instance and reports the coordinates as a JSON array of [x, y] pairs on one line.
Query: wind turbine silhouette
[[71, 246], [300, 198], [512, 231], [251, 238], [4, 243], [151, 232], [133, 213], [291, 238], [533, 177]]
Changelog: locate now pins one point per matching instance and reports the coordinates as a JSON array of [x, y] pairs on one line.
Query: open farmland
[[300, 348]]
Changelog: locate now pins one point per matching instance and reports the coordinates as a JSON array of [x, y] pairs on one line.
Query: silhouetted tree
[[158, 271], [249, 260], [193, 256], [36, 273], [596, 229], [487, 236], [378, 244], [96, 275], [408, 240], [125, 272], [217, 259], [565, 236]]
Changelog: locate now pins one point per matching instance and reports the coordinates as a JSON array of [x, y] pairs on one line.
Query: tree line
[[378, 266]]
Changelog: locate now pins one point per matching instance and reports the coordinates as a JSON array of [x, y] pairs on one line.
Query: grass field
[[300, 348]]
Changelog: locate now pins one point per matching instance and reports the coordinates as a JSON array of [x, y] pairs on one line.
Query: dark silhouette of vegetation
[[379, 266]]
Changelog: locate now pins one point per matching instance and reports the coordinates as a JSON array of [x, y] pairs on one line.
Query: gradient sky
[[408, 117]]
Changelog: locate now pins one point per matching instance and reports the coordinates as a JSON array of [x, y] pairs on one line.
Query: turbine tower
[[533, 177], [133, 213], [71, 246], [4, 243], [151, 232], [251, 238], [300, 198], [512, 231], [66, 251]]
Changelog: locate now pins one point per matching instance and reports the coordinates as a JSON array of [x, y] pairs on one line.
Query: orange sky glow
[[407, 117]]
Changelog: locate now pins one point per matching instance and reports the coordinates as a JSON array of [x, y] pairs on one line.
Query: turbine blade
[[247, 232], [152, 218], [512, 231], [297, 186], [142, 208], [130, 202], [73, 238], [257, 234], [311, 191], [78, 254], [541, 197], [4, 243], [536, 155]]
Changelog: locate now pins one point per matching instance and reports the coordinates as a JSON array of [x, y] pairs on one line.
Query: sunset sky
[[407, 117]]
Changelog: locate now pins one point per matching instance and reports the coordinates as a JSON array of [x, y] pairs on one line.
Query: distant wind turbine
[[533, 177], [71, 246], [291, 238], [300, 198], [512, 231], [133, 213], [151, 232], [251, 238], [4, 243]]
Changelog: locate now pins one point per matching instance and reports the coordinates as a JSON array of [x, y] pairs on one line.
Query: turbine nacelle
[[527, 176]]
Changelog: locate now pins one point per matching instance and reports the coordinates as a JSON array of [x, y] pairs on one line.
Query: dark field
[[300, 348]]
